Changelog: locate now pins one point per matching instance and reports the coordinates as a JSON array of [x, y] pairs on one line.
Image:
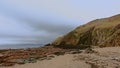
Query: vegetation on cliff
[[100, 32]]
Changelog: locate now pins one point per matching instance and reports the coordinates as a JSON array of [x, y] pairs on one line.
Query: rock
[[1, 55], [24, 61], [73, 52], [59, 53], [116, 59], [8, 64], [20, 61], [48, 44], [93, 64], [48, 58], [29, 55], [89, 50], [52, 56], [41, 59], [44, 58]]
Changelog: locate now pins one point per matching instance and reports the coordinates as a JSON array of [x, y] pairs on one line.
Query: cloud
[[51, 30], [50, 27], [42, 21], [31, 28], [75, 9]]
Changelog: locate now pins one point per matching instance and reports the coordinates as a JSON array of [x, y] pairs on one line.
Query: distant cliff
[[100, 32]]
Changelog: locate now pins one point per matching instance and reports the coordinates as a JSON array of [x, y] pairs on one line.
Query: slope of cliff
[[100, 32]]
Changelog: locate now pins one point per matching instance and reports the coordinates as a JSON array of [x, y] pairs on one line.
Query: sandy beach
[[108, 57], [65, 61]]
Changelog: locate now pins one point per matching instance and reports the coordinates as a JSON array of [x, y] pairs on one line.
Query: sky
[[41, 21]]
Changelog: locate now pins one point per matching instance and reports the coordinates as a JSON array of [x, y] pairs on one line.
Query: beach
[[19, 46], [65, 61], [108, 57]]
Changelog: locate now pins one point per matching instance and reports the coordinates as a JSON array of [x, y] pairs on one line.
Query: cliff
[[100, 32]]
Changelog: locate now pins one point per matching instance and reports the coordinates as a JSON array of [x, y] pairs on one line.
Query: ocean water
[[18, 46]]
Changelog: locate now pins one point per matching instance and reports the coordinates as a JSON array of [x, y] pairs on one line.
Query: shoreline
[[20, 46], [63, 61], [49, 56], [10, 57]]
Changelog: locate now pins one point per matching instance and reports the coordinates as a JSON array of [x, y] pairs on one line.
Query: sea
[[19, 46]]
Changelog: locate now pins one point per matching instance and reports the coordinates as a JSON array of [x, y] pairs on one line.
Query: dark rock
[[59, 53], [48, 44], [89, 50], [52, 56], [75, 52], [8, 64]]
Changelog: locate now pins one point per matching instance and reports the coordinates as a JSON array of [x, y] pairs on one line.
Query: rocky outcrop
[[100, 32], [10, 57]]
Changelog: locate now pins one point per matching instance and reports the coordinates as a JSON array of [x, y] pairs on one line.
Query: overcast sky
[[41, 21]]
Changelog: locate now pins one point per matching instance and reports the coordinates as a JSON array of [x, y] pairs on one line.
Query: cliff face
[[100, 32]]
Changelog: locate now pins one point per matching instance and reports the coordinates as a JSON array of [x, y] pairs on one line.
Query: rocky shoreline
[[10, 57], [108, 57]]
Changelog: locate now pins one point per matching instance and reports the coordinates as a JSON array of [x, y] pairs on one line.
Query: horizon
[[42, 21]]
